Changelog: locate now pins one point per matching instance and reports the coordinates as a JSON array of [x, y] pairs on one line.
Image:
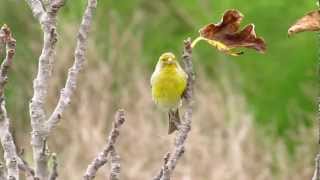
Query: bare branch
[[47, 21], [171, 159], [79, 58], [8, 145], [37, 8], [165, 161], [115, 164], [54, 172], [101, 159], [54, 7], [41, 127], [10, 154]]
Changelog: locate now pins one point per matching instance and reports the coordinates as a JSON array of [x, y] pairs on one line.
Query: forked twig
[[47, 20], [41, 124], [102, 157]]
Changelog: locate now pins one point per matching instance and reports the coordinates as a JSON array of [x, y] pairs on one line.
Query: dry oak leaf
[[225, 35], [309, 22]]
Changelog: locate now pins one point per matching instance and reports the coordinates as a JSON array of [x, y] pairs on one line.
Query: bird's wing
[[155, 73], [152, 79]]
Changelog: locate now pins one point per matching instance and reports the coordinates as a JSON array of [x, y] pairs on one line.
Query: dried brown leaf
[[226, 36], [309, 22]]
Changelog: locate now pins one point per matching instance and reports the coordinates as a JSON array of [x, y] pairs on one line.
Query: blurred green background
[[279, 85]]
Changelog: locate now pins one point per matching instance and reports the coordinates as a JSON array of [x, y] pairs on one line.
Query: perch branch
[[47, 20], [101, 159], [171, 159], [10, 153]]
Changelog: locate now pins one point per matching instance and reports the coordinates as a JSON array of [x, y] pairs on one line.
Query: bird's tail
[[174, 120]]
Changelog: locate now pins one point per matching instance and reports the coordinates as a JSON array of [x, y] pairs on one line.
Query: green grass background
[[280, 85]]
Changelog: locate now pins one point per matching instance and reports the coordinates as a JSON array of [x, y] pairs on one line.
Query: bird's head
[[167, 58]]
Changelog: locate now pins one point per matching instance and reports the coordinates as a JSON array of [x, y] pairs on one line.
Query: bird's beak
[[170, 61]]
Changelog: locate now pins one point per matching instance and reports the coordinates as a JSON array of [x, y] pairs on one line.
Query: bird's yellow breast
[[168, 85]]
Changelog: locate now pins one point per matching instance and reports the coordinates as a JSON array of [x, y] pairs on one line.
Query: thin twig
[[171, 159], [102, 157], [10, 153], [165, 161], [79, 59], [10, 43], [54, 172], [115, 164]]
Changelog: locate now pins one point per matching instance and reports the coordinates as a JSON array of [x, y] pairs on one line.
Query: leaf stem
[[194, 42]]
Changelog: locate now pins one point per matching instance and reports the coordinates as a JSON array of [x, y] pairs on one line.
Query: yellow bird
[[168, 83]]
